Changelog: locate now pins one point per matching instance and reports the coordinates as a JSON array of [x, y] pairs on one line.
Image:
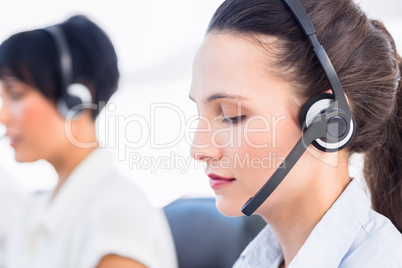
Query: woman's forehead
[[231, 65]]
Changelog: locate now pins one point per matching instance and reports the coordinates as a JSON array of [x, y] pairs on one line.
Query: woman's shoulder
[[118, 192], [101, 194], [379, 227], [377, 243], [119, 219]]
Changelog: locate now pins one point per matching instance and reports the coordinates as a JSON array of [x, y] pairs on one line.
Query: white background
[[155, 41]]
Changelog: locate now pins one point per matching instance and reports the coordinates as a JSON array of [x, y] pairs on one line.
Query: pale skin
[[37, 131], [229, 69]]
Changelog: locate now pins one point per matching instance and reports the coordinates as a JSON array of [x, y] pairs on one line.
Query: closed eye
[[234, 119]]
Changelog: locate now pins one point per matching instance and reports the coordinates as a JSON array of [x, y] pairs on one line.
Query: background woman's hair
[[32, 57], [363, 54]]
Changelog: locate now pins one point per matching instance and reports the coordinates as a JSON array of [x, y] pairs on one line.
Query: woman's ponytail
[[383, 162]]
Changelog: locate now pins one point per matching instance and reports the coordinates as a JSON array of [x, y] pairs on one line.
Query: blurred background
[[146, 123]]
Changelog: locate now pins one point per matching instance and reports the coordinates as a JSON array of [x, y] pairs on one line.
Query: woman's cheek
[[38, 121], [224, 137], [257, 137], [32, 117]]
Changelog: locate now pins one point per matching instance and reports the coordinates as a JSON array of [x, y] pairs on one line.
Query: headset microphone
[[326, 119]]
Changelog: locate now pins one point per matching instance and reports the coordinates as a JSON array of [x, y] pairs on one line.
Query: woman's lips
[[14, 141], [216, 181]]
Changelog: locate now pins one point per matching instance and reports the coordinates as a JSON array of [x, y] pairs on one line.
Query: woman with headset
[[53, 84], [286, 92]]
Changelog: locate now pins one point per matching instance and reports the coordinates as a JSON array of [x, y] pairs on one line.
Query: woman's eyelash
[[234, 119]]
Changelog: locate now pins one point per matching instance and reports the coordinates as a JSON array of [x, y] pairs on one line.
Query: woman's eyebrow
[[217, 96]]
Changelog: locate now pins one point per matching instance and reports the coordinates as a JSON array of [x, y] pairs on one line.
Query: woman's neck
[[293, 220], [72, 154], [68, 164]]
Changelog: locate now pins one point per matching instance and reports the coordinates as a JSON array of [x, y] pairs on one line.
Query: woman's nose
[[203, 147]]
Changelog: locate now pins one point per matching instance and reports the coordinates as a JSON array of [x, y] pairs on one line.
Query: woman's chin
[[22, 158], [228, 207]]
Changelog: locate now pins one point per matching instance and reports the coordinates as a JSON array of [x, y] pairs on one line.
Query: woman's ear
[[329, 91]]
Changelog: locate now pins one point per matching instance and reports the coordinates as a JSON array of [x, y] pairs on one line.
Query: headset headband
[[309, 30], [64, 54]]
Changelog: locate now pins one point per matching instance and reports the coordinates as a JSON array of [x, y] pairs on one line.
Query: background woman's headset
[[75, 96], [326, 119]]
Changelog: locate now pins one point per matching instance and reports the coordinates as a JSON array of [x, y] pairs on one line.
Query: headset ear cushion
[[76, 98], [72, 101], [309, 104], [310, 110]]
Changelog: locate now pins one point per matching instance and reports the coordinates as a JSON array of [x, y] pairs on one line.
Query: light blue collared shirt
[[350, 234]]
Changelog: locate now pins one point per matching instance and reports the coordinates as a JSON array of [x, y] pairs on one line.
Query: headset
[[326, 119], [75, 96]]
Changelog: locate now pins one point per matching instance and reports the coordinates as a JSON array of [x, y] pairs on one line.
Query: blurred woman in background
[[54, 81]]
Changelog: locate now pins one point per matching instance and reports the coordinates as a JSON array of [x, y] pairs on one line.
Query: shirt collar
[[334, 234], [257, 254], [74, 192], [328, 242]]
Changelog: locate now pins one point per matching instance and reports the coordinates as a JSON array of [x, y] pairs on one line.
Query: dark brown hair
[[364, 56]]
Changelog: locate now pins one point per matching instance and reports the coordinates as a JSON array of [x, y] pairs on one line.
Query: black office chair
[[204, 238]]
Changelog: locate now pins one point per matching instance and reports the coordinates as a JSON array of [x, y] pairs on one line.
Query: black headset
[[75, 96], [326, 119]]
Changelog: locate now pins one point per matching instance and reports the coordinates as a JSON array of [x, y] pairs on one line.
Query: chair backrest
[[204, 238]]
